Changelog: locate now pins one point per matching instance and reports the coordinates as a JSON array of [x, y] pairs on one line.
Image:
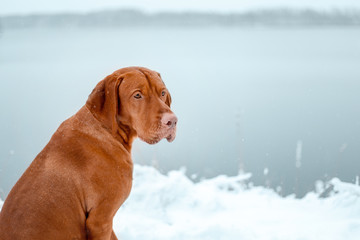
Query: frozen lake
[[283, 104]]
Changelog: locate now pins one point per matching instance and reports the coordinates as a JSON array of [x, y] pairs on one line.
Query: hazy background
[[56, 6], [271, 89]]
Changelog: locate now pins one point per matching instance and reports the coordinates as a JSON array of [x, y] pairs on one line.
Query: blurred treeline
[[131, 18]]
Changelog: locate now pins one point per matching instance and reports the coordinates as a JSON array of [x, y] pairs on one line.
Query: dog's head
[[134, 102]]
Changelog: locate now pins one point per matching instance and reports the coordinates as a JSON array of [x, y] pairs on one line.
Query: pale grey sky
[[8, 7]]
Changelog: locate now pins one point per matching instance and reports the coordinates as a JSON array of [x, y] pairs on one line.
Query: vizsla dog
[[76, 184]]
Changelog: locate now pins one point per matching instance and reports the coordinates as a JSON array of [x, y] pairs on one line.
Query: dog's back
[[51, 199]]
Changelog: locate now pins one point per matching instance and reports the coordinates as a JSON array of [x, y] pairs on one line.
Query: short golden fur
[[76, 184]]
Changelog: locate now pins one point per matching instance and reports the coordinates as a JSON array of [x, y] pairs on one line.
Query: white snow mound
[[173, 207]]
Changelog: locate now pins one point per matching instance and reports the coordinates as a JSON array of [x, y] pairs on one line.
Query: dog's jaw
[[156, 136]]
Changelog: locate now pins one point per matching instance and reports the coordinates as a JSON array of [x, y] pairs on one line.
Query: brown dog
[[76, 184]]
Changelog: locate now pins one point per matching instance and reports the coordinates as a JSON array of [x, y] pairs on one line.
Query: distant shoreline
[[135, 18]]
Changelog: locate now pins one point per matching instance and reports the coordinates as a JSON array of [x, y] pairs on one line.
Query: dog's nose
[[169, 119]]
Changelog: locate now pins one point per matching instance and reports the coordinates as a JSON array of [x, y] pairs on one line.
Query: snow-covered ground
[[173, 207]]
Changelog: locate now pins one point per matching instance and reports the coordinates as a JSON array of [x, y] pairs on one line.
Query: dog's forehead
[[137, 79]]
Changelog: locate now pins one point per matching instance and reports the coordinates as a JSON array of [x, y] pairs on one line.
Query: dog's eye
[[163, 93], [138, 96]]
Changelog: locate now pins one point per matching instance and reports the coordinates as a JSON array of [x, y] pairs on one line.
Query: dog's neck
[[125, 135], [121, 132]]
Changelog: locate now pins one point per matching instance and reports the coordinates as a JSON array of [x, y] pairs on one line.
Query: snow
[[173, 207]]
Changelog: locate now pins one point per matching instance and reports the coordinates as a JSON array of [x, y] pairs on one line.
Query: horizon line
[[331, 10]]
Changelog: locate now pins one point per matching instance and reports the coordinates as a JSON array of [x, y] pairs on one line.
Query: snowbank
[[173, 207]]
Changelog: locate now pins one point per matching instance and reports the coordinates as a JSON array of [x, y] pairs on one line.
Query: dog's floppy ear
[[104, 102], [168, 99]]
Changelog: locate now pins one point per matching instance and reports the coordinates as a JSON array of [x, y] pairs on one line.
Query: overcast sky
[[8, 7]]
